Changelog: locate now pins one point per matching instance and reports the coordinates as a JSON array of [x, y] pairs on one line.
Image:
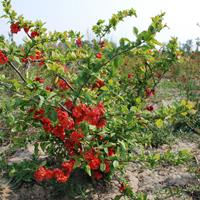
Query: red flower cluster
[[94, 163], [63, 85], [15, 28], [94, 116], [76, 137], [64, 120], [72, 137], [3, 58], [98, 84], [33, 58], [92, 158], [61, 175]]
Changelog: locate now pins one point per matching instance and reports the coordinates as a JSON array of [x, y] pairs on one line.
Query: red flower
[[60, 176], [34, 34], [24, 60], [15, 28], [130, 75], [69, 104], [107, 163], [101, 123], [59, 132], [3, 58], [79, 42], [149, 92], [70, 124], [89, 155], [49, 88], [122, 187], [39, 114], [68, 166], [98, 84], [93, 116], [40, 80], [40, 174], [76, 137], [62, 117], [111, 151], [64, 120], [79, 112], [99, 55], [49, 174], [97, 175], [63, 85], [47, 126], [150, 108], [95, 163], [70, 146]]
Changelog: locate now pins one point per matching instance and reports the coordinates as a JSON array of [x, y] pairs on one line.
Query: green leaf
[[17, 59], [102, 167], [88, 170], [116, 164], [41, 101], [135, 31], [104, 88], [106, 150]]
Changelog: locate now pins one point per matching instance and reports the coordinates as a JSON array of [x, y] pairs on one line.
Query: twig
[[64, 108], [17, 71], [68, 84]]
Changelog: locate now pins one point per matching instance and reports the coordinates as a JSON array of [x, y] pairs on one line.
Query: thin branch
[[17, 71], [68, 84], [64, 108]]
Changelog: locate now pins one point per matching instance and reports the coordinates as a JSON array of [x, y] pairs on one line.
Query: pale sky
[[181, 15]]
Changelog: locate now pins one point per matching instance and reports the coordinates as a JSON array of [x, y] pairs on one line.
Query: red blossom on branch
[[15, 28], [3, 58], [34, 34], [99, 55], [79, 42]]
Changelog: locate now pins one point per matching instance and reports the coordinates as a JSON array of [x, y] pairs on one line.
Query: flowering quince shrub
[[75, 93]]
